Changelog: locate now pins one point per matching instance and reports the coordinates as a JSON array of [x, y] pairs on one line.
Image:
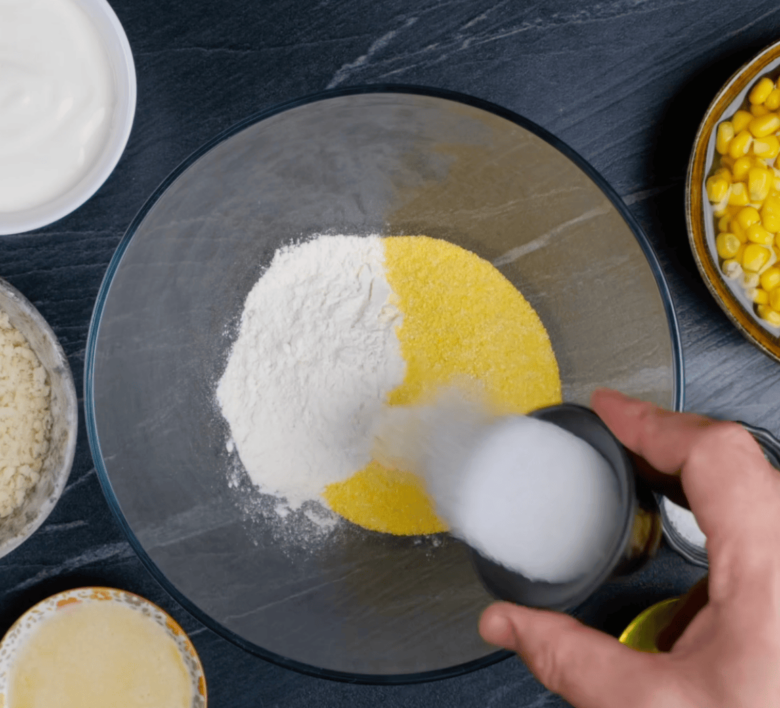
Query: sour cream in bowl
[[67, 101]]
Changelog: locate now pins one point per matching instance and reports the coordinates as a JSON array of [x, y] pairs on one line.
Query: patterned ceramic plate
[[699, 213], [32, 619]]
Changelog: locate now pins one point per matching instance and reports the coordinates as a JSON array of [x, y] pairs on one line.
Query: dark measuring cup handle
[[669, 485], [686, 609]]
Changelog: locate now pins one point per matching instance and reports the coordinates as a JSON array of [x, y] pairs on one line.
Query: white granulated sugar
[[315, 358], [523, 492], [25, 417], [685, 523], [538, 500], [529, 496]]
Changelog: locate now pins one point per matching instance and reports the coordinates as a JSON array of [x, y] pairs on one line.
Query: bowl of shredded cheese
[[38, 419], [733, 199], [307, 271]]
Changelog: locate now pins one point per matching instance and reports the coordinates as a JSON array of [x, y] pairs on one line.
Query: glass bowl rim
[[94, 330]]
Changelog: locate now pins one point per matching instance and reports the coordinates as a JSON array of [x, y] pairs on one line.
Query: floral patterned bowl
[[699, 212], [24, 627]]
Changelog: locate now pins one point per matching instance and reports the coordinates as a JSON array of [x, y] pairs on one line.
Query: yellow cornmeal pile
[[461, 318]]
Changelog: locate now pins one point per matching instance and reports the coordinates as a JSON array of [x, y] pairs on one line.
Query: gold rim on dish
[[745, 321]]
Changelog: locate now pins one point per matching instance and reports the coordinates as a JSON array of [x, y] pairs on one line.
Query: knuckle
[[648, 414], [652, 420], [718, 439], [731, 432]]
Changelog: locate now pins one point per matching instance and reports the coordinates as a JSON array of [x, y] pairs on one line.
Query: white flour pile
[[314, 360], [25, 417]]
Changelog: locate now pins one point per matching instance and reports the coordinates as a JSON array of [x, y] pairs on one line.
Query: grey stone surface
[[623, 82]]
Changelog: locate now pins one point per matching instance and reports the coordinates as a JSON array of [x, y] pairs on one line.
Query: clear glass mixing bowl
[[360, 606]]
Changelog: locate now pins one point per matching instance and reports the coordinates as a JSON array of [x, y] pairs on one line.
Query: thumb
[[588, 668]]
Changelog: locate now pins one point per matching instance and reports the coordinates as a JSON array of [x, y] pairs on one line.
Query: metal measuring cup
[[640, 527]]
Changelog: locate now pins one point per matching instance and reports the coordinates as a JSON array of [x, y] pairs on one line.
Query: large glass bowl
[[361, 606]]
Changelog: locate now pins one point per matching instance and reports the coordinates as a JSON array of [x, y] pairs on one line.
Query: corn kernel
[[738, 230], [740, 253], [766, 148], [724, 222], [717, 189], [757, 295], [767, 313], [720, 208], [748, 216], [760, 181], [724, 136], [764, 125], [760, 92], [773, 100], [749, 279], [770, 278], [772, 203], [742, 165], [758, 110], [770, 221], [740, 144], [774, 299], [758, 234], [770, 212], [755, 257], [740, 120], [727, 245], [731, 269], [737, 193]]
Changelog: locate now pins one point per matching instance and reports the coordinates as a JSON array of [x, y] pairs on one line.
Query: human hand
[[729, 655]]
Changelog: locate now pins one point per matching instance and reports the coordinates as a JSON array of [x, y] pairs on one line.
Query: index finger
[[724, 473]]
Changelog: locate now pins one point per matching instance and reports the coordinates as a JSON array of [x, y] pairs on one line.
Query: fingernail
[[497, 629]]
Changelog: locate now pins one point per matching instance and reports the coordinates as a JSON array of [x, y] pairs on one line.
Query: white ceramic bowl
[[25, 520], [120, 59]]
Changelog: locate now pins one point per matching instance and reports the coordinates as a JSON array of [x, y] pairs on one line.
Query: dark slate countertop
[[623, 82]]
